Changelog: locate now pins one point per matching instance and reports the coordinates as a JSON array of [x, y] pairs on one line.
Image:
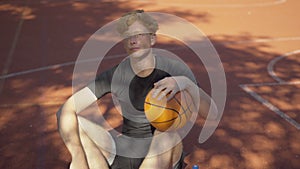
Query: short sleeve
[[176, 67], [102, 83]]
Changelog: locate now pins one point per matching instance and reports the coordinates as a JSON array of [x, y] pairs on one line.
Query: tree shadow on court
[[249, 135], [29, 139], [52, 32]]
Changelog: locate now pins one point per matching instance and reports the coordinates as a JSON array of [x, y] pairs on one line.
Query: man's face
[[139, 40]]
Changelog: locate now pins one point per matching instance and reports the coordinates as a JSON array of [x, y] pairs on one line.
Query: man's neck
[[143, 66]]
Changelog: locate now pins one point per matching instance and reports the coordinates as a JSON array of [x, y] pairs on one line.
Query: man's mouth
[[134, 49]]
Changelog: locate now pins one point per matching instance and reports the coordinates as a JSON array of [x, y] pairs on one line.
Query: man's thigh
[[97, 140]]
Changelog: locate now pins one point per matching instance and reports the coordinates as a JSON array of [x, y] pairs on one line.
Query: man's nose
[[133, 39]]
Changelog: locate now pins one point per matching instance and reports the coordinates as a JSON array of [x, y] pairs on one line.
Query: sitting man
[[130, 81]]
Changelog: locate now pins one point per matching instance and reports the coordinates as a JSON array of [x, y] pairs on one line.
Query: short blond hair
[[138, 15]]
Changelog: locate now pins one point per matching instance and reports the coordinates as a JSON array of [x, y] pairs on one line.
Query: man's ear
[[153, 39]]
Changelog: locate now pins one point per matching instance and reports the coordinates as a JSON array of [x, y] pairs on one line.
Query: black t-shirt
[[130, 90]]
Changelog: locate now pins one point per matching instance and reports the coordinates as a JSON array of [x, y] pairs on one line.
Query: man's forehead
[[136, 28]]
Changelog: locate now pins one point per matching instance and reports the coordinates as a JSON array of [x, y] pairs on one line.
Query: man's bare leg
[[96, 156], [167, 159]]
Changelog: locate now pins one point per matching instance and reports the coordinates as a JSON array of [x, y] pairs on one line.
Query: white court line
[[266, 103], [271, 106], [259, 4], [12, 49], [31, 104], [56, 66], [274, 61], [271, 84], [264, 40]]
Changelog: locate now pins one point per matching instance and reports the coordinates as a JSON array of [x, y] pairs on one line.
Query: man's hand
[[170, 85]]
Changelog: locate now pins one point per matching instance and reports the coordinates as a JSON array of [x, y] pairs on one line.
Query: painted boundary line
[[279, 82], [269, 105], [12, 49], [274, 61], [258, 4], [56, 66], [264, 40], [52, 103]]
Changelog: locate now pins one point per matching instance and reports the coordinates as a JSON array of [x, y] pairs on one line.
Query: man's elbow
[[213, 113], [209, 110]]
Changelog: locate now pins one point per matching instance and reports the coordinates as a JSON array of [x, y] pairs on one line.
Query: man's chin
[[139, 53]]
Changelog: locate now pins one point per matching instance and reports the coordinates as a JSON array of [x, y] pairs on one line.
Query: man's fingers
[[164, 87], [160, 83], [163, 93], [171, 95], [158, 91]]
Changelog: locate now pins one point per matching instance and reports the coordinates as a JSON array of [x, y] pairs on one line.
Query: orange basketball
[[169, 115]]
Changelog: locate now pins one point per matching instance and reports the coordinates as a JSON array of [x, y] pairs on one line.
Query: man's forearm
[[202, 101]]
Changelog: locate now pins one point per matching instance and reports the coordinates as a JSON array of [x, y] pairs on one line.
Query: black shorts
[[121, 162]]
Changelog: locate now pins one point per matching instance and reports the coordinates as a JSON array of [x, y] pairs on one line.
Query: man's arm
[[203, 101], [68, 125]]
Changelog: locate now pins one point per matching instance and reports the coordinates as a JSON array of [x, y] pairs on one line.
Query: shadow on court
[[249, 136]]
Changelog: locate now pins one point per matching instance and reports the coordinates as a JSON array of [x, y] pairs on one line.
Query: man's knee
[[167, 139], [166, 142]]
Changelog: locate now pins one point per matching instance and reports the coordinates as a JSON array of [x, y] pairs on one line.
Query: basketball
[[169, 115]]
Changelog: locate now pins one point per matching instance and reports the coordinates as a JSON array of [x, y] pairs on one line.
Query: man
[[130, 81]]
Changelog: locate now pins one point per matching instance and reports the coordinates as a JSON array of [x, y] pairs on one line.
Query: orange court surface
[[258, 42]]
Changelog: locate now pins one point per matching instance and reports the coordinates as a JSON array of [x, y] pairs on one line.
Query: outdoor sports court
[[258, 42]]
